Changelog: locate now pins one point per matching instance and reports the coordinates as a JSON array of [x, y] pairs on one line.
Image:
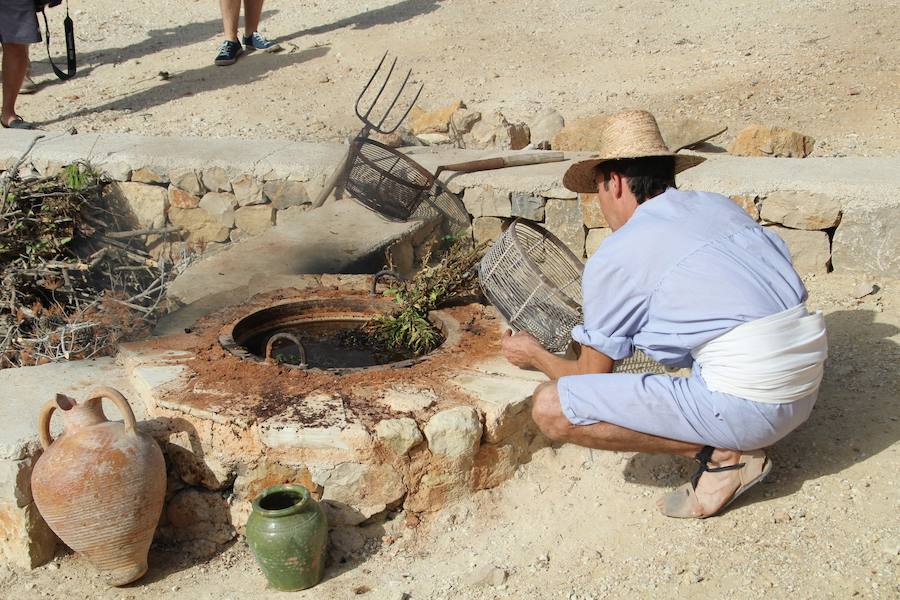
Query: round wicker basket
[[534, 280]]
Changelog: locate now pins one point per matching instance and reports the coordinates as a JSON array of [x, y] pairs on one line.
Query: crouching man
[[690, 279]]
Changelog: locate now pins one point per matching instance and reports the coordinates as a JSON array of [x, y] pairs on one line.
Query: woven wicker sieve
[[534, 280], [386, 181]]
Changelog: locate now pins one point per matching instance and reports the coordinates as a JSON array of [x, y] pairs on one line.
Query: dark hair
[[647, 177]]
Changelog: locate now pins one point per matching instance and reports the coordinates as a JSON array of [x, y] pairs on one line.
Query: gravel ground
[[828, 69], [576, 524]]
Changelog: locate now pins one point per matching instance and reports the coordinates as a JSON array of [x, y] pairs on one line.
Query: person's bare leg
[[15, 63], [28, 84], [231, 14], [713, 489], [252, 15], [548, 415]]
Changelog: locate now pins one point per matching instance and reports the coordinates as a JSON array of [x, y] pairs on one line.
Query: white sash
[[776, 359]]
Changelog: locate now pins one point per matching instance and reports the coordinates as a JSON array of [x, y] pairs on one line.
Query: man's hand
[[521, 349], [524, 351]]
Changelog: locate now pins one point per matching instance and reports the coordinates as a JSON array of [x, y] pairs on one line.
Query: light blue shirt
[[686, 268]]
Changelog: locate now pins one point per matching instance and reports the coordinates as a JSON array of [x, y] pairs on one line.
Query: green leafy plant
[[79, 176], [433, 286]]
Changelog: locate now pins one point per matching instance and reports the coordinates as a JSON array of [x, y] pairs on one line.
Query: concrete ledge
[[27, 389], [337, 238], [278, 158]]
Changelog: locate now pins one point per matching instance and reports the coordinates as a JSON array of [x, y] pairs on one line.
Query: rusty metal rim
[[448, 326]]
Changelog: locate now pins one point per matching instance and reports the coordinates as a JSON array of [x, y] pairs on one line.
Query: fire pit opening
[[319, 334]]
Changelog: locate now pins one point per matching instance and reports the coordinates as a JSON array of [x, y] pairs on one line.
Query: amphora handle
[[44, 422], [121, 403], [98, 394]]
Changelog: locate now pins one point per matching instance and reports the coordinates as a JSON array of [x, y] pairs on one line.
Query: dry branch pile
[[74, 282]]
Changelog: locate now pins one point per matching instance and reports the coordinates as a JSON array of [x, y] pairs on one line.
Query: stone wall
[[838, 213], [211, 207], [805, 221], [204, 207]]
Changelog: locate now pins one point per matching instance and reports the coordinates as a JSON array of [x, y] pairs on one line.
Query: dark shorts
[[18, 22]]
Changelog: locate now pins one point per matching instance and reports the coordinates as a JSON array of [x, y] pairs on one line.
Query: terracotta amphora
[[100, 485]]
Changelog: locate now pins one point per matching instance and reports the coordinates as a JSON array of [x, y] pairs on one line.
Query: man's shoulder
[[678, 213], [668, 227], [692, 199]]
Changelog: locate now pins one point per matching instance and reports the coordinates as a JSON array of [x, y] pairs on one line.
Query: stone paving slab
[[503, 400], [497, 365]]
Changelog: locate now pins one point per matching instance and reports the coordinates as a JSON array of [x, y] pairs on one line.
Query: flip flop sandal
[[18, 122], [683, 503]]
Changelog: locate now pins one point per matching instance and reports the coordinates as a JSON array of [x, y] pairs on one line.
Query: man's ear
[[617, 182]]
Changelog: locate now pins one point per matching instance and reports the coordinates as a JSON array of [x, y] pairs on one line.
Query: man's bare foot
[[716, 489]]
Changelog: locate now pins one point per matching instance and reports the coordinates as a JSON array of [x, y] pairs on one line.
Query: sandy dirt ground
[[828, 69], [573, 524], [576, 524]]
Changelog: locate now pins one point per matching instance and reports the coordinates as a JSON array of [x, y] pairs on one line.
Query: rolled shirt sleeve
[[614, 309]]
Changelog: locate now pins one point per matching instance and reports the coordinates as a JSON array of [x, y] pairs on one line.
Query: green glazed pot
[[287, 533]]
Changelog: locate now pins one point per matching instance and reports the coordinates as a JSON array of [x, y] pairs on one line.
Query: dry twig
[[74, 283]]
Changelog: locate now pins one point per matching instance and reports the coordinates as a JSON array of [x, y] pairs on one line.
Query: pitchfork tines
[[373, 122]]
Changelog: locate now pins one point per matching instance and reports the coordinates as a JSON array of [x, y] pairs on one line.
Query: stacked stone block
[[805, 221], [25, 539], [210, 206]]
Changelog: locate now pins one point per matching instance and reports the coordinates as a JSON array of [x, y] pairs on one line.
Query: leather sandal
[[682, 503]]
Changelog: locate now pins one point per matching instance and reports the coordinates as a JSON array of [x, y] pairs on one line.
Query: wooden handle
[[500, 162], [333, 179], [121, 403], [532, 158]]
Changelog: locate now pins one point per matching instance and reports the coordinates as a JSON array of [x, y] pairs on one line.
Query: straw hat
[[631, 134]]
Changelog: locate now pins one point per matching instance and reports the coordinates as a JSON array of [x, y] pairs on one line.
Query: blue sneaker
[[256, 41], [228, 53]]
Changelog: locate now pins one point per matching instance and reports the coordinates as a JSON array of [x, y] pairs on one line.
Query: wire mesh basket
[[534, 280], [386, 181], [443, 204]]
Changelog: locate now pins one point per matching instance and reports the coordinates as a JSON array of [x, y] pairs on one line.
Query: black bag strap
[[70, 45]]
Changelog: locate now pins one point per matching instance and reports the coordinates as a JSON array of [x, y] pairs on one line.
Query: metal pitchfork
[[369, 125]]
